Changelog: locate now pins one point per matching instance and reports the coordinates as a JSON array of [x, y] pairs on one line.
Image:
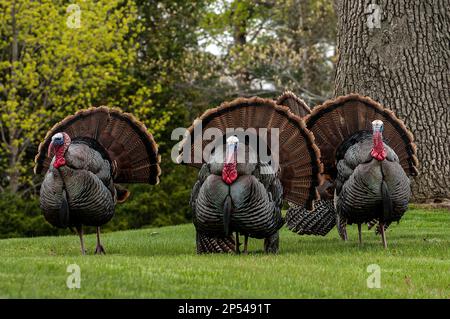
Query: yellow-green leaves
[[58, 69]]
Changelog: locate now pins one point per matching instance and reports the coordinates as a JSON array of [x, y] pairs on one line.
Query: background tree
[[265, 47], [398, 53], [169, 61]]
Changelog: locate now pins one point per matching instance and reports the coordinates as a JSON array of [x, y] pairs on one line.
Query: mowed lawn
[[161, 263]]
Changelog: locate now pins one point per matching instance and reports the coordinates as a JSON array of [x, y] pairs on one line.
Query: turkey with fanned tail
[[240, 190], [368, 154], [84, 157]]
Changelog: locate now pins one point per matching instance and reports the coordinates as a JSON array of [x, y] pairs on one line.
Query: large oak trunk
[[402, 60]]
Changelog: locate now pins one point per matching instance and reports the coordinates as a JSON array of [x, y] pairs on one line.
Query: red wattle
[[378, 151], [59, 157], [229, 173]]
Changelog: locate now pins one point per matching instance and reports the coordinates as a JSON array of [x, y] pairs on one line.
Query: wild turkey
[[245, 196], [83, 157], [299, 219], [368, 153]]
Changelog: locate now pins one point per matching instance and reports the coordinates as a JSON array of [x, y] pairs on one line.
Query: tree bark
[[403, 62]]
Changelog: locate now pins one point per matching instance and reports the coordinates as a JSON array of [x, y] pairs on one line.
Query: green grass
[[161, 263]]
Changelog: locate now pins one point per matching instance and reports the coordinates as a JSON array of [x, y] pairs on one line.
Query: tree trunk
[[402, 60]]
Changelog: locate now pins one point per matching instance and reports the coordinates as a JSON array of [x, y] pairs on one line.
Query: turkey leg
[[341, 224], [383, 235], [359, 234], [271, 243], [80, 233], [245, 244], [99, 249]]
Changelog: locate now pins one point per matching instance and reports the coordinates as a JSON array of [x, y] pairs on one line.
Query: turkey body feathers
[[82, 157], [227, 210], [256, 210], [84, 185], [368, 188]]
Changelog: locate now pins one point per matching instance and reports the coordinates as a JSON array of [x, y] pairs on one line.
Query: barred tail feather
[[207, 244], [317, 222]]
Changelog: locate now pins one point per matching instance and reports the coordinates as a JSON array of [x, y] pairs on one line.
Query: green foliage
[[161, 263], [270, 46], [22, 217]]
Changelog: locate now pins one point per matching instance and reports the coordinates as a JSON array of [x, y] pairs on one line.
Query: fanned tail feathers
[[295, 104], [336, 120], [121, 139]]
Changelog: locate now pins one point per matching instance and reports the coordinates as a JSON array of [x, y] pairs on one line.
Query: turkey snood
[[378, 151]]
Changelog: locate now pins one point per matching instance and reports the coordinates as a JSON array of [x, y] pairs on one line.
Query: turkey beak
[[231, 153], [50, 149]]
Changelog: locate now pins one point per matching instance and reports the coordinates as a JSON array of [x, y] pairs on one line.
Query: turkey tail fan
[[118, 136], [303, 222], [294, 103], [298, 155], [207, 244], [333, 122]]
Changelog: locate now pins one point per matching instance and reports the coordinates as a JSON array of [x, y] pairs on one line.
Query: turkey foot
[[99, 249], [80, 233], [272, 243]]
